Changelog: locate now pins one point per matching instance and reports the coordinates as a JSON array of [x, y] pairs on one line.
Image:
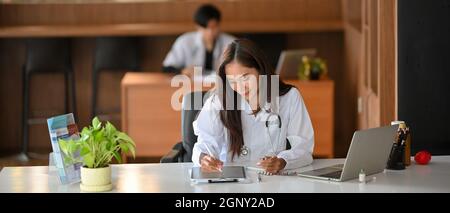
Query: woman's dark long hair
[[249, 55]]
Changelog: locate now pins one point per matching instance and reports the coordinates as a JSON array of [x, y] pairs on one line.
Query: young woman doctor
[[251, 133]]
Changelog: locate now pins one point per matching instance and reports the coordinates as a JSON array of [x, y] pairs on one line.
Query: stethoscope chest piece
[[244, 150]]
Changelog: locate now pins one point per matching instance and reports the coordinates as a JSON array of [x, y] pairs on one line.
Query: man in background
[[202, 48]]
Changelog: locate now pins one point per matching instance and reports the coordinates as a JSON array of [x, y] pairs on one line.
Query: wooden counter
[[80, 18], [147, 113], [152, 29]]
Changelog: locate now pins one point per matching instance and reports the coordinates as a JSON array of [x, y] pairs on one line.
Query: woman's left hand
[[272, 164]]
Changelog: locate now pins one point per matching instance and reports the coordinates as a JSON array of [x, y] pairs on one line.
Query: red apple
[[423, 157]]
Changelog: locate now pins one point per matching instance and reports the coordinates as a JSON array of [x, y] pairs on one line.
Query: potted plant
[[312, 68], [95, 149]]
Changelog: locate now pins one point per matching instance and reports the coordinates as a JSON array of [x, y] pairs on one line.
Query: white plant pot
[[96, 179]]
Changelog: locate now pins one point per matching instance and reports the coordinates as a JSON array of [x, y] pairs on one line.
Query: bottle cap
[[401, 124]]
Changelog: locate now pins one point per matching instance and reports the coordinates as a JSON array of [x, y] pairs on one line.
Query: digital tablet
[[228, 174]]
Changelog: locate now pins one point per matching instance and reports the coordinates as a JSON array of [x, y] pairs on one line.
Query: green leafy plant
[[97, 145], [312, 68]]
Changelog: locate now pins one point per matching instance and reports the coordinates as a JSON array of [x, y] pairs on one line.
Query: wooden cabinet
[[319, 100], [147, 113], [148, 117]]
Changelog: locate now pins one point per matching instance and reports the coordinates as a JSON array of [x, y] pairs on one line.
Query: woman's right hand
[[210, 164]]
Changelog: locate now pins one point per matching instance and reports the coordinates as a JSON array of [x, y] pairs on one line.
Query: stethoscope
[[273, 119]]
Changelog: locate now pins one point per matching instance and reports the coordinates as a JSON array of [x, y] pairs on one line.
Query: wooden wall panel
[[353, 57], [352, 64], [388, 61], [370, 61], [88, 13]]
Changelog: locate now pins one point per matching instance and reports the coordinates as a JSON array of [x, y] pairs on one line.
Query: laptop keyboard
[[329, 169], [334, 175]]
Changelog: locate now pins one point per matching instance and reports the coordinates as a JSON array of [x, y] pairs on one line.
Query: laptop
[[290, 60], [369, 150]]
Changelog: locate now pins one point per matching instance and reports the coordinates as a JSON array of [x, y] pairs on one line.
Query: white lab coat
[[189, 50], [296, 126]]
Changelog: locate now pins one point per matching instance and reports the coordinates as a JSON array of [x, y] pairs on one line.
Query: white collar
[[198, 39], [263, 113]]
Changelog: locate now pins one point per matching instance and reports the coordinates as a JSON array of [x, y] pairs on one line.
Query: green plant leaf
[[89, 160], [99, 136], [125, 137], [85, 136], [63, 145], [96, 124], [85, 131], [133, 151], [70, 149], [99, 144], [84, 151], [123, 147], [117, 156], [109, 144], [110, 129], [128, 147]]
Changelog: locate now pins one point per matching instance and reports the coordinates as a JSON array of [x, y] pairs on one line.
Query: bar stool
[[112, 54], [46, 55]]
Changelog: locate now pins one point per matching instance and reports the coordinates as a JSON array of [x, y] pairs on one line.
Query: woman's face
[[243, 80]]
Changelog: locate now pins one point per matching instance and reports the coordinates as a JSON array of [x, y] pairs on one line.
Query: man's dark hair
[[205, 13]]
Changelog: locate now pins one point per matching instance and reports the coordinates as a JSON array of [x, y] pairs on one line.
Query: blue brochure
[[64, 127]]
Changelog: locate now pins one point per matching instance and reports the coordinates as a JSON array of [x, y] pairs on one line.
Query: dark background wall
[[424, 72]]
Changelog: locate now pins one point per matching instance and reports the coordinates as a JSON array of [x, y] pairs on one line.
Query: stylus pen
[[210, 154], [222, 181]]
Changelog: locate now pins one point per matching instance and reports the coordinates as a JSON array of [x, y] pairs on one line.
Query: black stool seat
[[46, 55], [112, 54]]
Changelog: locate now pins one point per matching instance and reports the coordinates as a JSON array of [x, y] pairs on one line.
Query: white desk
[[434, 177]]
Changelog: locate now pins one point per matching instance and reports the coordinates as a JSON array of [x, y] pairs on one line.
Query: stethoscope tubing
[[245, 149]]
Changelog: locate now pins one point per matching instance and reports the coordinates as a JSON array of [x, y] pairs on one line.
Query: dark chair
[[46, 55], [112, 54], [182, 151]]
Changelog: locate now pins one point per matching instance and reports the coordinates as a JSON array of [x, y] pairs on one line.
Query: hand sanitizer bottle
[[362, 176]]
